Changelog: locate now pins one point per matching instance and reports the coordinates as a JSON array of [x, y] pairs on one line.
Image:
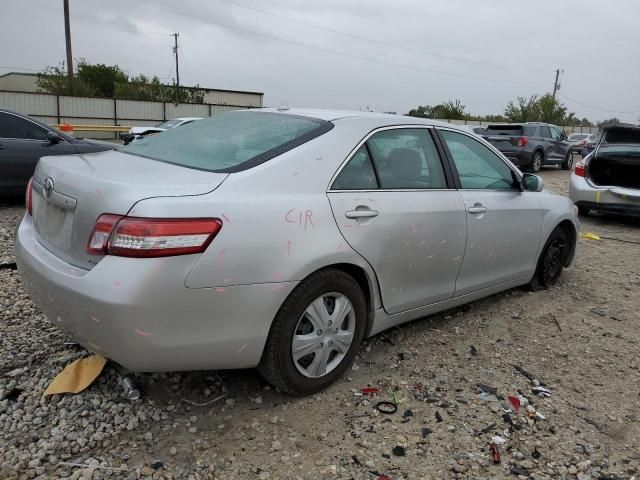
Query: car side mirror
[[53, 137], [532, 183]]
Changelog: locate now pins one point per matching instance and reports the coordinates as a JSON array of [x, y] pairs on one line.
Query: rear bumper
[[519, 158], [139, 313], [602, 199]]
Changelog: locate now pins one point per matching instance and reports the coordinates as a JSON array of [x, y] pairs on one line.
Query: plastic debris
[[398, 451], [438, 417], [426, 431], [515, 402], [495, 453], [473, 351], [590, 236], [541, 391], [523, 372], [487, 429], [369, 390], [498, 440], [77, 376], [408, 413], [487, 389], [12, 395], [536, 454], [387, 407], [488, 397]]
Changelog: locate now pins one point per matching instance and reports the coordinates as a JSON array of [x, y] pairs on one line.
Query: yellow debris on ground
[[589, 236], [77, 375]]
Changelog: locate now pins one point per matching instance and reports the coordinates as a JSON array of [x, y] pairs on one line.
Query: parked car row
[[280, 239]]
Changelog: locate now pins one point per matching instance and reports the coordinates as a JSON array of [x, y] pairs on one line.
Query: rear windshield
[[230, 142], [168, 124], [504, 130]]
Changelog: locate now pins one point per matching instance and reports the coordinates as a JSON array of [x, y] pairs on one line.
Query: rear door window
[[531, 131], [357, 174], [544, 132], [230, 142], [407, 158]]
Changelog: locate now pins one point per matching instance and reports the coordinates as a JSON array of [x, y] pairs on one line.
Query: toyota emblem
[[47, 189]]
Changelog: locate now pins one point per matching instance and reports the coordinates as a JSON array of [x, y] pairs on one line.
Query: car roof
[[333, 115], [182, 119]]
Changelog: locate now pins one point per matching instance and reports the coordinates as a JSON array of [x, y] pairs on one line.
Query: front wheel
[[568, 161], [536, 162], [316, 334], [551, 261]]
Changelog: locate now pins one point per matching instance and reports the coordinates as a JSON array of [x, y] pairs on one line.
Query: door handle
[[361, 213], [477, 208]]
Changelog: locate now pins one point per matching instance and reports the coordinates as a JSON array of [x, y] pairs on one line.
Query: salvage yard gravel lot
[[580, 339]]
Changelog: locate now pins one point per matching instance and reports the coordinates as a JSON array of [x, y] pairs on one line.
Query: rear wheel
[[536, 162], [551, 261], [316, 334], [568, 161]]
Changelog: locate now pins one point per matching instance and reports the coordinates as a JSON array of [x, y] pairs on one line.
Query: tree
[[609, 121], [527, 110], [102, 80], [449, 110]]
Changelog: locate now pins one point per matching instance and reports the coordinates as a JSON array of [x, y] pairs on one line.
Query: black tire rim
[[552, 262], [537, 162]]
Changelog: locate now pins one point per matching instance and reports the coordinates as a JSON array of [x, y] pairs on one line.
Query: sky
[[377, 54]]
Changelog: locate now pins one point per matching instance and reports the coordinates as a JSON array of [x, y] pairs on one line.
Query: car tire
[[294, 323], [551, 261], [568, 161], [536, 162]]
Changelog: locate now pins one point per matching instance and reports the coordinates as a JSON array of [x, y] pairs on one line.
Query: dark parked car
[[23, 140], [531, 145]]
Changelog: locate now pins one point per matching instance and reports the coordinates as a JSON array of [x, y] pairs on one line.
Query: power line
[[595, 108], [385, 44], [327, 50]]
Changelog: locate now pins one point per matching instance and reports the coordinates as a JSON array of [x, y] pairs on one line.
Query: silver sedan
[[280, 239]]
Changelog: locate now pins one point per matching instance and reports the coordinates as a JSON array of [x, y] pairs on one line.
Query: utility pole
[[67, 34], [175, 52], [556, 87]]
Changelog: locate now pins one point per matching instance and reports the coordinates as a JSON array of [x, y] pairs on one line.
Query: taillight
[[583, 142], [29, 197], [151, 237], [579, 171], [522, 141]]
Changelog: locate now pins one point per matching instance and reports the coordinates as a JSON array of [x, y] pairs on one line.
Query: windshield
[[622, 134], [230, 142], [169, 124], [578, 136]]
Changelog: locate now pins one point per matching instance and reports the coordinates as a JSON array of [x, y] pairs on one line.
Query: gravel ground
[[580, 339]]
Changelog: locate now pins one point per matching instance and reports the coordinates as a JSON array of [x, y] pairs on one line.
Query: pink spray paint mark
[[219, 258], [307, 219], [241, 349], [221, 289], [289, 247], [347, 225], [142, 333], [413, 227], [277, 287], [116, 283], [99, 192], [286, 217], [228, 280], [226, 219], [339, 247]]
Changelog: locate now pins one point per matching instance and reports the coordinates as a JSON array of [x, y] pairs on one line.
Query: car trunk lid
[[71, 192], [616, 166]]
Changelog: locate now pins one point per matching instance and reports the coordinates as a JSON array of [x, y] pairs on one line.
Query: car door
[[503, 222], [22, 143], [547, 143], [398, 209], [560, 145]]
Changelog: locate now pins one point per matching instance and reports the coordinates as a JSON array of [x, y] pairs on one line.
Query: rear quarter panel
[[278, 226]]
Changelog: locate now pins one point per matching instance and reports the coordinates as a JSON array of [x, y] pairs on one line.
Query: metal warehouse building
[[19, 92]]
